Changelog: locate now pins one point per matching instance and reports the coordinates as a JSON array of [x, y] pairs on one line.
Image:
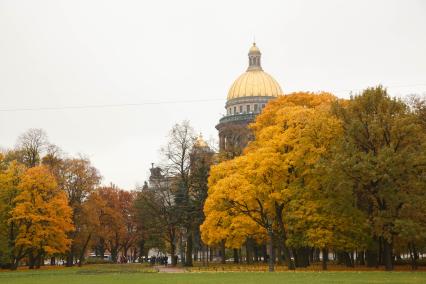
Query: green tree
[[383, 155], [156, 212]]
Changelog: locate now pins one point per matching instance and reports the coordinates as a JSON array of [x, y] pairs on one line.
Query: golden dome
[[254, 49], [254, 82], [200, 142]]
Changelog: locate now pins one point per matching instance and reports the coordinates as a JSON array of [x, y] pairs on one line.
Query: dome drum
[[249, 100], [242, 105]]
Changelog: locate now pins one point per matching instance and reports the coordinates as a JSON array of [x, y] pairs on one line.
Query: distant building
[[247, 97]]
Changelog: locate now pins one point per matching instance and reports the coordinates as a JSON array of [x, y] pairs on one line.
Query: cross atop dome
[[254, 58]]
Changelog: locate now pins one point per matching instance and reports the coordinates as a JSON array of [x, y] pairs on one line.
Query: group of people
[[153, 260]]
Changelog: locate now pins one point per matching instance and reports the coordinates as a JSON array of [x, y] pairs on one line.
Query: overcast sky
[[79, 53]]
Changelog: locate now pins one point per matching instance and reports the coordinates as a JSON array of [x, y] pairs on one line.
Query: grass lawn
[[105, 274]]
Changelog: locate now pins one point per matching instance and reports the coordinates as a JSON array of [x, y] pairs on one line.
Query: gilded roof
[[254, 83], [200, 142], [254, 49]]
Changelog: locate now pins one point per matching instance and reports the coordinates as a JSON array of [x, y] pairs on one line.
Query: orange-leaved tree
[[10, 176], [42, 216]]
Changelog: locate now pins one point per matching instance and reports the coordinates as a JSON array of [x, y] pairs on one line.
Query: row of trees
[[322, 175], [52, 206], [170, 206], [329, 175]]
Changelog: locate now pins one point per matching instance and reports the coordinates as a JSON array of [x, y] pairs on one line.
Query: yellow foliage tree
[[10, 176], [42, 216], [271, 182], [223, 222]]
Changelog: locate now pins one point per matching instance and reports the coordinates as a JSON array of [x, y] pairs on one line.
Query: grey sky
[[75, 53]]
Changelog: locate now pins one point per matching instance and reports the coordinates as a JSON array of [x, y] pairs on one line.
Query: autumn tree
[[131, 232], [89, 226], [274, 182], [42, 217], [383, 155], [417, 105], [78, 179], [225, 222], [118, 228], [10, 177]]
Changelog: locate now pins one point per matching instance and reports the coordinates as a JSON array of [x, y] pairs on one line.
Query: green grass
[[105, 274]]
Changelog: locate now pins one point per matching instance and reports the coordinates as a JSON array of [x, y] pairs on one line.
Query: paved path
[[169, 269]]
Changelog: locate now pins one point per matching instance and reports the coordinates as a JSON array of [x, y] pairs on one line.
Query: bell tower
[[254, 58]]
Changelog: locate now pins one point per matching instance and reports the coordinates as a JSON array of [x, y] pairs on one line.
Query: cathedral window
[[241, 109], [248, 108], [235, 110], [255, 108]]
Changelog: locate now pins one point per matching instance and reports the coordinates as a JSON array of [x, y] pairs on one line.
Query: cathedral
[[247, 96]]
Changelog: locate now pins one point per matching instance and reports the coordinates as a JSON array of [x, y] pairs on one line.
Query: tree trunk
[[31, 259], [316, 257], [280, 255], [264, 253], [188, 256], [222, 252], [70, 257], [413, 255], [283, 237], [302, 257], [181, 249], [324, 258], [361, 258], [311, 255], [195, 255], [83, 250], [380, 252], [249, 256], [203, 254], [387, 255], [271, 249], [173, 253], [100, 248], [17, 258], [142, 249], [39, 260], [236, 260], [371, 258], [15, 264]]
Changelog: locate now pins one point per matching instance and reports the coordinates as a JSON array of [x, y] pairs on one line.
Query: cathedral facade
[[247, 96]]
